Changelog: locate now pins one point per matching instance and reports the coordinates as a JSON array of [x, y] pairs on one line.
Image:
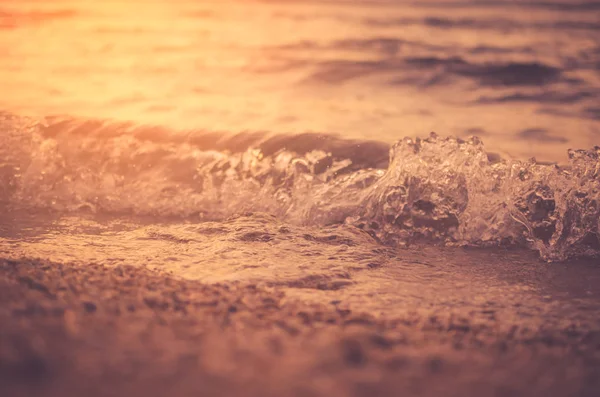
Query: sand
[[92, 330]]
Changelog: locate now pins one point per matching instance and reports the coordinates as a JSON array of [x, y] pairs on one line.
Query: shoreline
[[112, 331]]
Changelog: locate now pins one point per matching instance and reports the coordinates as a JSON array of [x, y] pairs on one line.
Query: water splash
[[449, 190], [442, 190]]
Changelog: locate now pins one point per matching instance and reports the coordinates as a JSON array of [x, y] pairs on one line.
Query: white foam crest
[[442, 190]]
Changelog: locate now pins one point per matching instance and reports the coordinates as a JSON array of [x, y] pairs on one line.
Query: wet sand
[[68, 330]]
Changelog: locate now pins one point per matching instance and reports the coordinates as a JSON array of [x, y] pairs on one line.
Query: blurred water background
[[522, 75]]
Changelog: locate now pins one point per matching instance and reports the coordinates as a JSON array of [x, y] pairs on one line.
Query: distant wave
[[565, 6], [500, 24], [440, 190], [422, 64]]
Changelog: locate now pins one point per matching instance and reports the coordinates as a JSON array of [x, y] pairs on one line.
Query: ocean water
[[521, 75], [288, 142]]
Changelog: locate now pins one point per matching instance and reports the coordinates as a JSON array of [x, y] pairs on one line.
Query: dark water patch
[[34, 285], [496, 24], [465, 23], [428, 62], [575, 25], [486, 74], [168, 237], [301, 45], [437, 80], [319, 282], [341, 71], [370, 154], [587, 113], [211, 231], [385, 45], [567, 6], [547, 97], [541, 135], [486, 49], [330, 240], [28, 364], [494, 158], [255, 236], [512, 74], [592, 112]]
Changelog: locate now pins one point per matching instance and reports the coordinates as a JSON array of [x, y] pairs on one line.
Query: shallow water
[[337, 264]]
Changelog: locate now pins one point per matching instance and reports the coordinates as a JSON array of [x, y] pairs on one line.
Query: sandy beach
[[122, 331]]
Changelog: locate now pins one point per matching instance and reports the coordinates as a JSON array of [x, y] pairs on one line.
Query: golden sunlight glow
[[237, 65]]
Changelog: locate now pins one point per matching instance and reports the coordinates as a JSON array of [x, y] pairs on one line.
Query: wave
[[497, 24], [435, 190]]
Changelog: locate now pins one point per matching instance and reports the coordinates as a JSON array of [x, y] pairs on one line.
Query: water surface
[[521, 75]]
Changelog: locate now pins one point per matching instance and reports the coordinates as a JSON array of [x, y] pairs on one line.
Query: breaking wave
[[435, 190]]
